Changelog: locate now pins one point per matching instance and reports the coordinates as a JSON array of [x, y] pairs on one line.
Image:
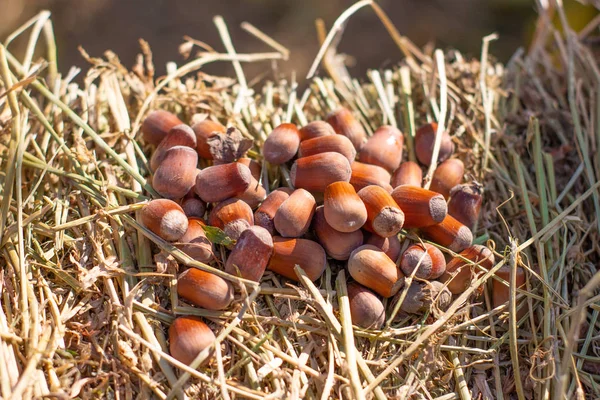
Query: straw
[[88, 293]]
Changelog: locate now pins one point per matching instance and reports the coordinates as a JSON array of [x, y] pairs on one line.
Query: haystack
[[87, 291]]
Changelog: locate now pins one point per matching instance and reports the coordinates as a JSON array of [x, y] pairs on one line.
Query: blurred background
[[99, 25]]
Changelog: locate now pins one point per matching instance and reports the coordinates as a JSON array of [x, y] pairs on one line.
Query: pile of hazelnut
[[351, 196]]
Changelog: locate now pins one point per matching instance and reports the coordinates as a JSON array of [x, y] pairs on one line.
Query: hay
[[87, 291]]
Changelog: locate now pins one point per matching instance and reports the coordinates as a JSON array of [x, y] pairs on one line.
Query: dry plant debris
[[85, 306]]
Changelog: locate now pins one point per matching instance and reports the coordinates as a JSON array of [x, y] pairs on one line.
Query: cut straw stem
[[348, 335], [441, 124]]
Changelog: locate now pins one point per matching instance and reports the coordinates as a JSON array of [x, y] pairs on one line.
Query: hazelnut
[[315, 173], [338, 245], [330, 143], [383, 149], [425, 140], [343, 208], [251, 254], [421, 207], [176, 174], [188, 336], [233, 216], [427, 258], [465, 203], [384, 216], [408, 173], [449, 233], [289, 252], [371, 267], [344, 123], [366, 310], [194, 242], [459, 273], [447, 175], [165, 218], [294, 215], [221, 182], [315, 129], [281, 144], [204, 289], [157, 124]]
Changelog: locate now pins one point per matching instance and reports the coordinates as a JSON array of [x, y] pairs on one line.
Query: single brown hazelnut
[[315, 173], [204, 289], [447, 175], [344, 123], [233, 216], [157, 124], [330, 143], [425, 140], [289, 252], [343, 208], [193, 207], [427, 259], [421, 207], [165, 218], [366, 310], [194, 242], [384, 216], [294, 215], [251, 254], [221, 182], [449, 233], [408, 173], [315, 129], [465, 203], [459, 273], [338, 245], [371, 267], [383, 149], [188, 336], [281, 144], [176, 174]]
